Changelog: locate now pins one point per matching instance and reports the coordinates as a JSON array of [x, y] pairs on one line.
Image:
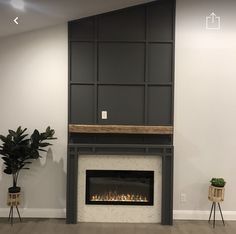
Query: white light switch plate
[[104, 114]]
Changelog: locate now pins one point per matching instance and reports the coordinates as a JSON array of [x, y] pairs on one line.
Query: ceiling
[[43, 13]]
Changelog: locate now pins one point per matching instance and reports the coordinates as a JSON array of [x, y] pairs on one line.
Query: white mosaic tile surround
[[119, 213]]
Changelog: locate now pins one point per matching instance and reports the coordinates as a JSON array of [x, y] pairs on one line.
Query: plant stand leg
[[221, 214], [11, 209], [214, 221], [211, 212], [12, 213], [18, 213]]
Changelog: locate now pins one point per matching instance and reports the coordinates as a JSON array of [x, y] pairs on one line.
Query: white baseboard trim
[[202, 215], [61, 213], [36, 213]]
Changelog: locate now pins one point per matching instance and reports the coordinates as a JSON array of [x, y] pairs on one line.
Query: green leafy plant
[[218, 182], [18, 150]]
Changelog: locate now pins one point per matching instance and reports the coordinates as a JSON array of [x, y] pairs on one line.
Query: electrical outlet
[[104, 114], [183, 197]]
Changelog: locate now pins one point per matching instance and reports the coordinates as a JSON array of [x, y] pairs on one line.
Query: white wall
[[33, 94], [205, 105]]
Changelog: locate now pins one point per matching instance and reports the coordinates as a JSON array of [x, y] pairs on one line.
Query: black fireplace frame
[[131, 173], [156, 150]]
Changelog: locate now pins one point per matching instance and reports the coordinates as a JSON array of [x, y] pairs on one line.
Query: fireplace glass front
[[116, 187]]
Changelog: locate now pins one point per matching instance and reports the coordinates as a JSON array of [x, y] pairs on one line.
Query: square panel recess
[[121, 62], [82, 29], [160, 63], [124, 25], [124, 104], [159, 105], [160, 18], [82, 104], [82, 62]]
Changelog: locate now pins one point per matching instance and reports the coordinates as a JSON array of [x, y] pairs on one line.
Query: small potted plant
[[18, 150], [216, 190], [218, 182]]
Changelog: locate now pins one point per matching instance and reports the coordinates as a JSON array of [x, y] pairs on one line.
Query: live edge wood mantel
[[121, 129]]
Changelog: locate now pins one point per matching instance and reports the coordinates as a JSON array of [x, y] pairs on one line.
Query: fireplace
[[119, 187], [129, 168], [153, 156]]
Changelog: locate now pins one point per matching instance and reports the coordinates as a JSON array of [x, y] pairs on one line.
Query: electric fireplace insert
[[119, 187]]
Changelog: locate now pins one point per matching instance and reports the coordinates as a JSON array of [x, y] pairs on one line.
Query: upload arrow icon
[[213, 21]]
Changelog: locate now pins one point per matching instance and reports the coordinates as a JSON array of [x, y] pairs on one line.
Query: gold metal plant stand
[[13, 200]]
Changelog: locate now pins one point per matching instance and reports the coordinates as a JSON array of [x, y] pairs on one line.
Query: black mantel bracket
[[165, 151]]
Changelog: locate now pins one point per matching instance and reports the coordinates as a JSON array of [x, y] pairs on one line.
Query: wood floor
[[58, 226]]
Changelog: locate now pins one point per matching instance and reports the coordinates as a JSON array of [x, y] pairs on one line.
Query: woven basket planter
[[216, 194], [13, 199]]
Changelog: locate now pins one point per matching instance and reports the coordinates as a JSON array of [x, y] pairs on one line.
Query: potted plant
[[18, 150], [218, 182], [216, 190]]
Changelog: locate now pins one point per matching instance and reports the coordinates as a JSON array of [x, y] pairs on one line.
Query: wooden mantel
[[121, 129]]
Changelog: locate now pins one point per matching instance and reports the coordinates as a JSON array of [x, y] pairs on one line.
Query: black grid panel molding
[[122, 62]]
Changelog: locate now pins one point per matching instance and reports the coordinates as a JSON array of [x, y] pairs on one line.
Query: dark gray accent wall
[[122, 62]]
